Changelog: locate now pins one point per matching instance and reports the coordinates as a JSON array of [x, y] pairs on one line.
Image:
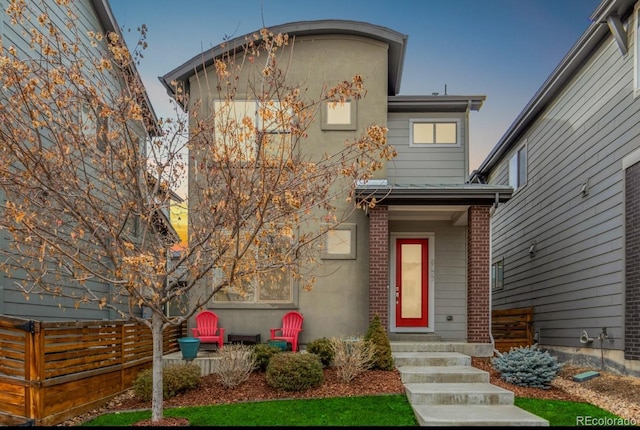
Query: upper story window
[[94, 125], [247, 119], [636, 62], [518, 168], [433, 133], [339, 115]]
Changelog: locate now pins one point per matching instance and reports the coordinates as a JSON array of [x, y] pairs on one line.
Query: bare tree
[[86, 196]]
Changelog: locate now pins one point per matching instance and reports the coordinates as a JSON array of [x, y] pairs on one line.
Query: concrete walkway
[[445, 390]]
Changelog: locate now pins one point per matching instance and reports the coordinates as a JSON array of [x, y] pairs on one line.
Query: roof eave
[[397, 47], [482, 196]]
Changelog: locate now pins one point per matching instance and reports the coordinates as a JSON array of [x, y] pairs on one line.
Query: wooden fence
[[52, 371], [512, 328]]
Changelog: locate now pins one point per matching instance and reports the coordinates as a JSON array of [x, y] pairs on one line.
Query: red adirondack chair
[[291, 327], [207, 329]]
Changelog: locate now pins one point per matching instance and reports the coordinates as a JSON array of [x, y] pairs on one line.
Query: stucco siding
[[575, 279], [341, 288], [425, 165]]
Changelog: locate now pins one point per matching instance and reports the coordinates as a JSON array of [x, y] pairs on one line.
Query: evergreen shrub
[[378, 336], [263, 353], [527, 366], [176, 378], [322, 348], [294, 371]]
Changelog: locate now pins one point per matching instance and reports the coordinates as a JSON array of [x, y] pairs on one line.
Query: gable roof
[[598, 31], [397, 45]]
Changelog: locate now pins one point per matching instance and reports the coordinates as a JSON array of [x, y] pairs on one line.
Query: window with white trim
[[433, 133], [636, 49], [497, 275], [94, 125], [518, 168]]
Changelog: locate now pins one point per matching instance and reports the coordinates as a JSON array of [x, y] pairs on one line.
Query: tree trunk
[[157, 394]]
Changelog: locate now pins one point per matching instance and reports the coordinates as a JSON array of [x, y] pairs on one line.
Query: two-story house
[[420, 258], [567, 242]]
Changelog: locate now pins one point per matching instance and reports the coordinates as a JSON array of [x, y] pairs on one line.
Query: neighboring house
[[568, 242], [96, 16], [428, 215]]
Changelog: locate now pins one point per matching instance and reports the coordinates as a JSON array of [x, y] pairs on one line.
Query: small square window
[[340, 243], [339, 115]]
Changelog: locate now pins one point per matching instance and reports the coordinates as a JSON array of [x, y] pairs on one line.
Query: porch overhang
[[413, 194]]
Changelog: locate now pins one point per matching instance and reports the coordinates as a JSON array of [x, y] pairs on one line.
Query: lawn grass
[[568, 414], [383, 410]]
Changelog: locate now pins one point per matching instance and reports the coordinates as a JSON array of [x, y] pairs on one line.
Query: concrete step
[[442, 374], [414, 337], [431, 359], [458, 394], [476, 415], [470, 349]]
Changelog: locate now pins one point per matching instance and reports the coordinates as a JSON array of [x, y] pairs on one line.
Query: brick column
[[478, 273], [632, 263], [379, 264]]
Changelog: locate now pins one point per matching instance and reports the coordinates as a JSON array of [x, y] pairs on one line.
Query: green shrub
[[176, 378], [262, 353], [377, 335], [527, 367], [294, 371], [322, 348]]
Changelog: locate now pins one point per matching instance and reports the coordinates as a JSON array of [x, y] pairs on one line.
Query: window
[[636, 62], [339, 116], [272, 286], [92, 126], [518, 168], [340, 243], [441, 133], [247, 117], [497, 275]]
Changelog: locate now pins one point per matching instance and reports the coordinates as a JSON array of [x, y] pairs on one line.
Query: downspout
[[491, 212]]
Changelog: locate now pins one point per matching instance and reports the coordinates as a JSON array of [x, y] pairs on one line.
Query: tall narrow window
[[518, 168], [636, 49], [497, 275]]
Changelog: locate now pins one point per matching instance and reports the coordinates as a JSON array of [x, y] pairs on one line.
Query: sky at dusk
[[502, 49]]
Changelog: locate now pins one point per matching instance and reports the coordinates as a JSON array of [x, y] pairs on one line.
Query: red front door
[[412, 285]]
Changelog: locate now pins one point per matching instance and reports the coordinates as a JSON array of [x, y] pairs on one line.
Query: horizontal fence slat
[[512, 328], [93, 360]]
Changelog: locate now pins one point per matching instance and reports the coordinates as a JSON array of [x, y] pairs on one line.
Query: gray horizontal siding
[[428, 165], [575, 281], [12, 300], [450, 293]]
